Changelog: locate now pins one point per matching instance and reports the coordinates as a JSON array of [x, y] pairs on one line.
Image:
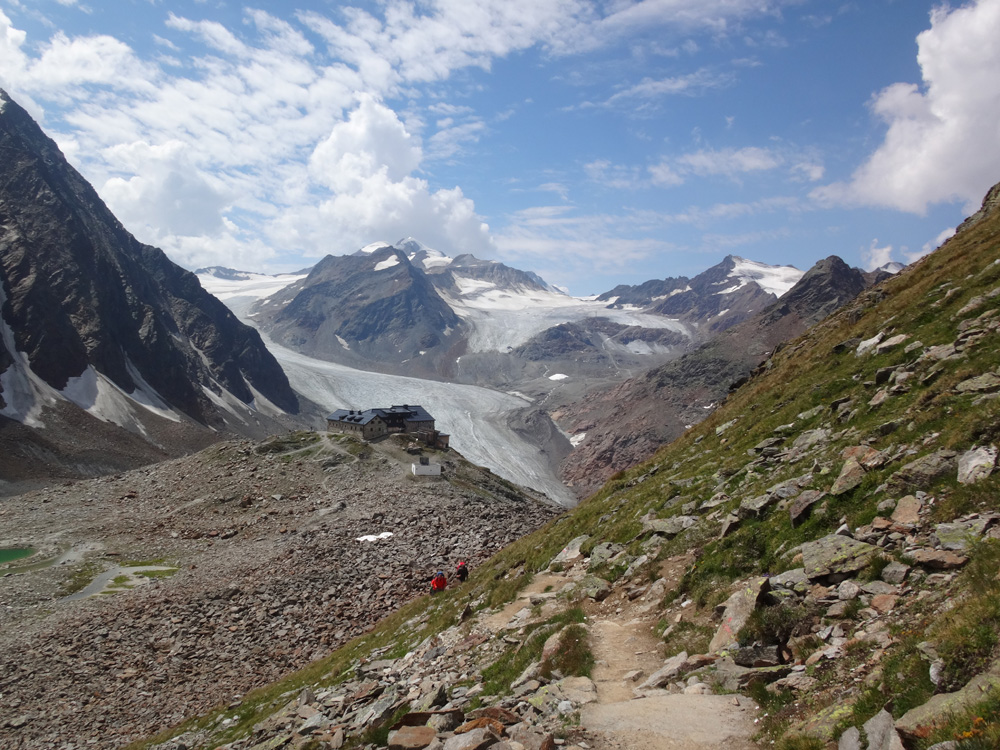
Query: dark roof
[[406, 412], [353, 416], [411, 413]]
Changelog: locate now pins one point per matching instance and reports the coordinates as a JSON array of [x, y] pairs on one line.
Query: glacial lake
[[14, 553]]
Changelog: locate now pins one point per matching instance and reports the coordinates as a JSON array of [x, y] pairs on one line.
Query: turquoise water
[[14, 553]]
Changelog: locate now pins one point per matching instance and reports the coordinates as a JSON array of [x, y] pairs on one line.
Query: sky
[[594, 142]]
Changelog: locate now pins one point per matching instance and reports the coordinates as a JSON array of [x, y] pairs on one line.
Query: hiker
[[438, 582], [462, 571]]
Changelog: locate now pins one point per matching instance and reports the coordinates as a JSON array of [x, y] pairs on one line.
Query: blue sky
[[593, 142]]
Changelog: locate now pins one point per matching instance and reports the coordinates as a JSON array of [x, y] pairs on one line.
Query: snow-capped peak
[[369, 249], [774, 279], [422, 256]]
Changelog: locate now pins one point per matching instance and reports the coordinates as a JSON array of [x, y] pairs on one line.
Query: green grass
[[156, 573], [498, 676], [686, 636], [573, 656]]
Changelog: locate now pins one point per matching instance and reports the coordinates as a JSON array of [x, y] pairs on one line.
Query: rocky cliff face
[[625, 424], [80, 292]]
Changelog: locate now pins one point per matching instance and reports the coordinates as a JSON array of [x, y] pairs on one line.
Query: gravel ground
[[269, 576]]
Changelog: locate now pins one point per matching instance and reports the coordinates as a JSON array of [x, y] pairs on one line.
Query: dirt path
[[540, 584], [623, 640], [619, 648]]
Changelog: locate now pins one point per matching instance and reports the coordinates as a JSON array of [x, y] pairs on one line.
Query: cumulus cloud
[[873, 256], [942, 143]]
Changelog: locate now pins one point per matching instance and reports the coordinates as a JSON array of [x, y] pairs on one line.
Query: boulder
[[895, 572], [754, 507], [738, 608], [958, 535], [923, 472], [881, 732], [977, 464], [579, 690], [851, 475], [907, 512], [915, 723], [758, 656], [602, 553], [477, 739], [412, 738], [986, 383], [592, 587], [799, 509], [850, 740], [938, 559], [671, 668], [835, 555], [669, 526], [571, 553], [810, 438], [791, 580]]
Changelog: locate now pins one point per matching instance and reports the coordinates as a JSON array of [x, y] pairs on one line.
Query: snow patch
[[392, 260], [558, 376], [343, 343], [255, 285], [373, 537], [774, 279], [578, 438], [369, 249]]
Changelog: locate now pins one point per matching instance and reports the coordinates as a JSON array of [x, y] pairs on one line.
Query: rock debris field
[[265, 573]]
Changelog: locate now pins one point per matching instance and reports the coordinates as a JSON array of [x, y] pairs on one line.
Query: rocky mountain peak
[[90, 313]]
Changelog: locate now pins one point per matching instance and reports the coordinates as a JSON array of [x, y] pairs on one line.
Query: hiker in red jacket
[[438, 582]]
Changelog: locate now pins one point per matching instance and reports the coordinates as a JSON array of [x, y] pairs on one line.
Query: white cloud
[[729, 162], [371, 141], [613, 175], [943, 139], [690, 85], [873, 256]]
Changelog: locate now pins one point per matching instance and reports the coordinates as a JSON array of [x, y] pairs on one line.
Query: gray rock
[[799, 509], [913, 724], [758, 656], [850, 740], [570, 553], [958, 535], [848, 590], [791, 580], [835, 555], [881, 732], [977, 464], [669, 526], [895, 572], [477, 739], [671, 668], [923, 472], [603, 552], [810, 438], [594, 588], [738, 608], [719, 498], [754, 507], [851, 475]]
